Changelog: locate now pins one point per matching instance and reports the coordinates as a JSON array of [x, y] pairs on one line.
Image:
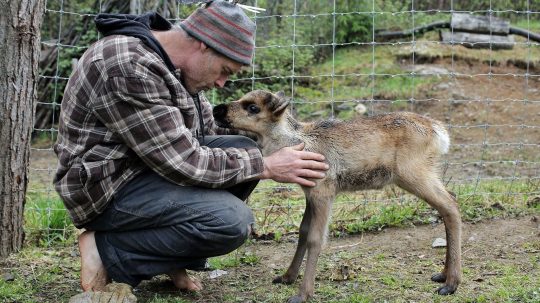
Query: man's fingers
[[312, 174], [314, 165], [298, 146], [306, 155], [304, 182], [293, 164]]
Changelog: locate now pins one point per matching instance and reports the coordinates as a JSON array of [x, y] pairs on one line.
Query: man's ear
[[203, 47]]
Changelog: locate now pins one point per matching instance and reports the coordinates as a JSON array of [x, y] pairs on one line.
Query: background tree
[[20, 23]]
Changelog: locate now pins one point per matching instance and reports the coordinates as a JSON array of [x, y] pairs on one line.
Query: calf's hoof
[[282, 280], [296, 299], [439, 278], [446, 290]]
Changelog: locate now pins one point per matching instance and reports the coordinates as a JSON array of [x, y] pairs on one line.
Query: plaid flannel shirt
[[123, 111]]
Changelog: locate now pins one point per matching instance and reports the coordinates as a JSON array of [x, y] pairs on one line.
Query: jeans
[[153, 226]]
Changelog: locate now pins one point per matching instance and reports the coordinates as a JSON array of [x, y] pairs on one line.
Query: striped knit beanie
[[224, 27]]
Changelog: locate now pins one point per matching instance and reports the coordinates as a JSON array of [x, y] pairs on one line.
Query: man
[[142, 166]]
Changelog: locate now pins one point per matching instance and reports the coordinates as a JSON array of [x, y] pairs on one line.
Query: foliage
[[295, 37], [291, 36], [42, 270], [46, 220], [356, 27], [279, 209]]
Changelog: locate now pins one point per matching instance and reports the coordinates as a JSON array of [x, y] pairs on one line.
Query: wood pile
[[478, 32]]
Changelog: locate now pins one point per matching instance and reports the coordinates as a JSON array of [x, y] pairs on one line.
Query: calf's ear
[[280, 104], [276, 103]]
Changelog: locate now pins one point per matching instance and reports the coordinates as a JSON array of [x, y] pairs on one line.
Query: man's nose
[[221, 82]]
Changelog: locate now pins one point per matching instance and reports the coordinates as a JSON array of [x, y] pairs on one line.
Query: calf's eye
[[253, 109]]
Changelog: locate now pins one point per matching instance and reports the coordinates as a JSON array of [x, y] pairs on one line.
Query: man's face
[[207, 70]]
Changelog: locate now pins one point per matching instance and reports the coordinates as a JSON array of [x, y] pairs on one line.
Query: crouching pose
[[143, 168]]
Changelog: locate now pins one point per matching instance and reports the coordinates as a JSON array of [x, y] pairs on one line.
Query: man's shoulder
[[124, 55]]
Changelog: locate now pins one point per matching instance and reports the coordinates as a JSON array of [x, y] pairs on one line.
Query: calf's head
[[257, 111]]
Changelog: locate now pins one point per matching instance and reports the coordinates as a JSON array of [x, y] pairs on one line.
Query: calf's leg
[[292, 272], [428, 186], [320, 207]]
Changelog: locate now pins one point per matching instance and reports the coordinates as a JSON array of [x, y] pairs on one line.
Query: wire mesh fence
[[338, 59]]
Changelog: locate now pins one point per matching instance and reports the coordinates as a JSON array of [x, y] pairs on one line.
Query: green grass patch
[[357, 74], [44, 138], [45, 276], [234, 259], [162, 299], [279, 209], [428, 51], [375, 277], [46, 219], [531, 25]]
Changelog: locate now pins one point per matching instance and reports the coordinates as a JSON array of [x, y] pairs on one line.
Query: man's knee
[[242, 141], [237, 221], [225, 141]]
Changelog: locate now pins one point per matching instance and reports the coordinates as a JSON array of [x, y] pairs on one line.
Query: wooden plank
[[478, 40], [479, 24]]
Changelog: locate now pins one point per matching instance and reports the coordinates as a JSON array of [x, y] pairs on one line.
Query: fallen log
[[420, 30], [479, 24], [478, 40]]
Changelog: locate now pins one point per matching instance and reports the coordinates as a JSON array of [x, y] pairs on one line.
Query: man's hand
[[294, 165]]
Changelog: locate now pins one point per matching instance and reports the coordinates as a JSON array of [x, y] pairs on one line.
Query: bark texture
[[20, 23]]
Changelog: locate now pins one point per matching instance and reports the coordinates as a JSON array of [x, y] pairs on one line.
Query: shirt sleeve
[[140, 112]]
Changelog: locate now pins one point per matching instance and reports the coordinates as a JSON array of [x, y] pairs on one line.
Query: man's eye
[[253, 109]]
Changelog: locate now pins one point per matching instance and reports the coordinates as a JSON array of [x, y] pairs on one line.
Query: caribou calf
[[364, 153]]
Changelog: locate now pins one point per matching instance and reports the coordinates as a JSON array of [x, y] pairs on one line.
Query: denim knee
[[245, 142], [237, 221]]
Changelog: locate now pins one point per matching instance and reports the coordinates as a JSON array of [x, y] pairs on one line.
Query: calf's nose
[[220, 112]]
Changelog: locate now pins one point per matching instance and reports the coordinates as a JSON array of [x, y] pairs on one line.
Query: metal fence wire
[[337, 59]]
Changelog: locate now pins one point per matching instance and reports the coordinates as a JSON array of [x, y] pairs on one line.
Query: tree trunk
[[20, 23]]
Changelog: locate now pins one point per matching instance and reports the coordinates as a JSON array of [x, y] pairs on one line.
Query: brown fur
[[364, 153]]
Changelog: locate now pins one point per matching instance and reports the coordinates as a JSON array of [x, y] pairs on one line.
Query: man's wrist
[[266, 172]]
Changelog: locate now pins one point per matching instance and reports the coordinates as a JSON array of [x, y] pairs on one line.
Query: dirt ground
[[393, 265], [493, 115]]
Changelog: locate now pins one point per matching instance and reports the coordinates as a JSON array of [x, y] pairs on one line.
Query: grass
[[278, 208], [364, 73], [356, 74], [531, 25], [41, 270], [429, 49], [387, 283], [234, 260], [46, 219]]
